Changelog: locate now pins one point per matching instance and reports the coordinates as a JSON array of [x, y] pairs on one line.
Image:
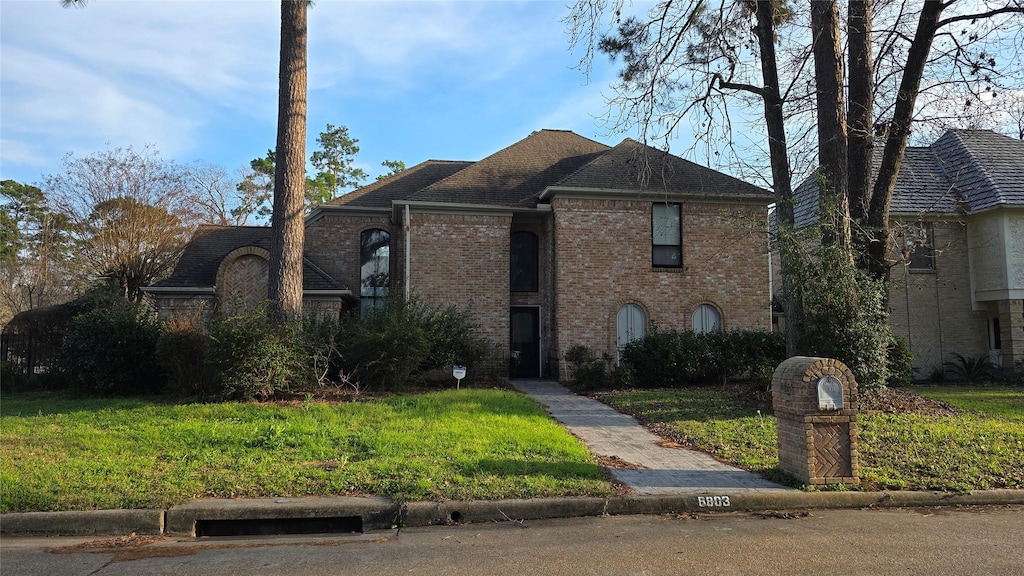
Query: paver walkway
[[611, 433]]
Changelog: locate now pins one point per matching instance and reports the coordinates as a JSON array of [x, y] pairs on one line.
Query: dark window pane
[[523, 262], [920, 242], [666, 236]]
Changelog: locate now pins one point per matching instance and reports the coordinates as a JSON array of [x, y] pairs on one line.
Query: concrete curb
[[378, 513], [83, 523]]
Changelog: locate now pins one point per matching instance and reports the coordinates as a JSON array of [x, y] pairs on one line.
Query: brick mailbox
[[815, 401]]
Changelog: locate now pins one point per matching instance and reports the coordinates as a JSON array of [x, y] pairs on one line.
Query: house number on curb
[[713, 501]]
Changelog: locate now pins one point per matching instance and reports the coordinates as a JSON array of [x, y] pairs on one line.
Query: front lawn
[[59, 453], [911, 451]]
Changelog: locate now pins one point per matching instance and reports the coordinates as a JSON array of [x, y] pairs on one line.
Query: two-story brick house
[[957, 217], [554, 241]]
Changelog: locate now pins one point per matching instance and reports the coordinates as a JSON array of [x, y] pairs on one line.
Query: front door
[[524, 342]]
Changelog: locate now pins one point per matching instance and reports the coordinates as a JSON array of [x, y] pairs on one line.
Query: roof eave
[[649, 194], [398, 206]]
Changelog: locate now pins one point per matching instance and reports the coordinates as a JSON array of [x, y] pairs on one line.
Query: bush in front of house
[[586, 370], [256, 358], [110, 349], [401, 342], [680, 358], [182, 354]]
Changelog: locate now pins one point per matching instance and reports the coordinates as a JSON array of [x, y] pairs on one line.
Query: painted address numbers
[[713, 501]]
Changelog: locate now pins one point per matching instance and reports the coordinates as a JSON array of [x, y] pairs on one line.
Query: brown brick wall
[[333, 243], [603, 260], [463, 260]]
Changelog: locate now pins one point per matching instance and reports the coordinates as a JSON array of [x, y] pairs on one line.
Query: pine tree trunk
[[287, 220]]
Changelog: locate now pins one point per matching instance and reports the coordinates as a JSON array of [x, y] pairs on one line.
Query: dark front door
[[524, 342]]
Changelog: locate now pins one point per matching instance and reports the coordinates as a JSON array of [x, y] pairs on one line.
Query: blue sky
[[198, 79]]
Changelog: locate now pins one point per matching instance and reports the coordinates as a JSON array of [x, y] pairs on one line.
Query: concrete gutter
[[378, 513]]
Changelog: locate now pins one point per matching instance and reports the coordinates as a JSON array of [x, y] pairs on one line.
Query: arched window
[[374, 269], [523, 262], [706, 319], [630, 324]]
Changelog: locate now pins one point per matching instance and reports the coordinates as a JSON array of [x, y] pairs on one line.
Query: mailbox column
[[815, 402]]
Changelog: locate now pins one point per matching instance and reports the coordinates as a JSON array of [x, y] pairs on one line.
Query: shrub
[[845, 316], [256, 357], [404, 340], [969, 369], [586, 370], [678, 358], [111, 349], [901, 363], [181, 353]]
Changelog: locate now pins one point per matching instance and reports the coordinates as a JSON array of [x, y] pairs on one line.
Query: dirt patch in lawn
[[899, 401]]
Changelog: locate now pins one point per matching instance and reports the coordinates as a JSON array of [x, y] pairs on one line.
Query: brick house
[[957, 219], [554, 241]]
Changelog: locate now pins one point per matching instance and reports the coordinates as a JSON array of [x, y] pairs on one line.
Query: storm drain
[[279, 526]]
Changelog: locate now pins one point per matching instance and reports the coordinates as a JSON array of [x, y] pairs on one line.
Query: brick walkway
[[610, 433]]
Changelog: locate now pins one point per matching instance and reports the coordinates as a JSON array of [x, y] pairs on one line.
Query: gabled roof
[[968, 170], [986, 168], [518, 174], [398, 187], [633, 167], [199, 262]]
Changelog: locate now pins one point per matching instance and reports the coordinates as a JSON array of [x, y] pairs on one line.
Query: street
[[934, 541]]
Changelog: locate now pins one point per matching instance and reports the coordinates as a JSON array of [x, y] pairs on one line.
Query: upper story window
[[706, 319], [374, 269], [523, 262], [666, 235], [919, 247]]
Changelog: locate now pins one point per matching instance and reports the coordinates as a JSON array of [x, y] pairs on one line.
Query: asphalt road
[[933, 541]]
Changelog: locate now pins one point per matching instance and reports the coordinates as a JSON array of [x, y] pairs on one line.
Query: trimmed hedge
[[679, 358]]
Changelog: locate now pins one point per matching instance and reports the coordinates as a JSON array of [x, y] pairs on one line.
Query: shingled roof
[[518, 174], [198, 265], [398, 187], [968, 170], [632, 166]]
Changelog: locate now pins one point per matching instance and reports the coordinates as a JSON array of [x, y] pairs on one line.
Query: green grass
[[982, 449], [999, 401], [59, 453]]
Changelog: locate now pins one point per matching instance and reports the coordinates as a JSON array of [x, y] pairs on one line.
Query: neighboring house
[[957, 220], [554, 241]]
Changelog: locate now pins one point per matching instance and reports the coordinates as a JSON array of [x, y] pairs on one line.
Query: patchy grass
[[980, 449], [59, 453]]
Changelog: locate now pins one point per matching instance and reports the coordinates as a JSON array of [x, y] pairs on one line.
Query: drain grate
[[279, 526]]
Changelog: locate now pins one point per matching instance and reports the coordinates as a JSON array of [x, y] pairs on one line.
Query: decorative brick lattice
[[242, 279], [831, 450]]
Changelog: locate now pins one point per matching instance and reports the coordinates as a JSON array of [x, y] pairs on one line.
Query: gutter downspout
[[408, 244]]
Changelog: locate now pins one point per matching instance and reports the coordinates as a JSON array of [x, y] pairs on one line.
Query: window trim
[[678, 245]]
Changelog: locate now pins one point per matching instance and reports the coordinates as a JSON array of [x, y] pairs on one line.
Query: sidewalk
[[664, 470]]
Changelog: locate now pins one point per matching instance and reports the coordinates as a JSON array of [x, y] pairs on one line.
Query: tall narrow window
[[706, 319], [920, 247], [666, 236], [374, 269], [523, 262]]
